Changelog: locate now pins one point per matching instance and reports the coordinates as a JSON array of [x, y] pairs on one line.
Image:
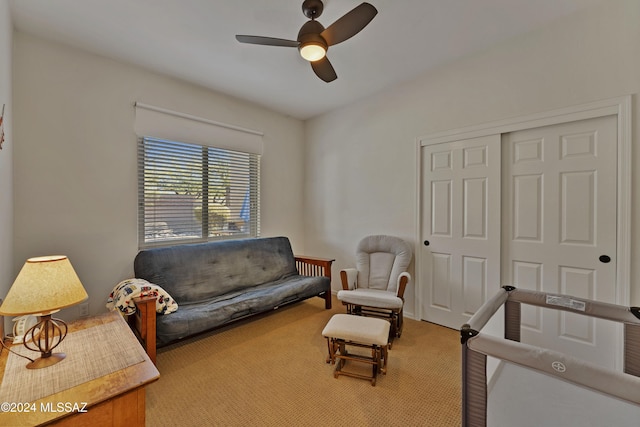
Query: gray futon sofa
[[219, 282]]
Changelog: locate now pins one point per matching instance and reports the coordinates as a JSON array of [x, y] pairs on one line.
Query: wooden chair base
[[394, 317]]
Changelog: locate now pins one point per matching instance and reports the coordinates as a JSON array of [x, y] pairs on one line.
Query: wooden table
[[116, 399]]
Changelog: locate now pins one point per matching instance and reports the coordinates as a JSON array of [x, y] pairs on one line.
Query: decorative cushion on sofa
[[122, 296]]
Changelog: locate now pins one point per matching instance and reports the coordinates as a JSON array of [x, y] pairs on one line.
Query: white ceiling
[[194, 40]]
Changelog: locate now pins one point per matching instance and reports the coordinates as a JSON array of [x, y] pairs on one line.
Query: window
[[191, 193]]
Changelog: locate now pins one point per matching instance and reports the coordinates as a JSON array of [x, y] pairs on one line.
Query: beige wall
[[6, 154], [75, 158], [361, 166]]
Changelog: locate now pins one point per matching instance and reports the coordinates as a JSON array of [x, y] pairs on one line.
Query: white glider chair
[[376, 286]]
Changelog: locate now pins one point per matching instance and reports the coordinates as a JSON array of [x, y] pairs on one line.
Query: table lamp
[[44, 286]]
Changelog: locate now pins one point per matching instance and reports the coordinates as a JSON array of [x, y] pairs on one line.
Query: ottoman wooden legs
[[339, 356], [347, 330]]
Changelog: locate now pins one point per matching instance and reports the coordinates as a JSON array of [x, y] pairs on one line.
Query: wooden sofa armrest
[[143, 324], [312, 266]]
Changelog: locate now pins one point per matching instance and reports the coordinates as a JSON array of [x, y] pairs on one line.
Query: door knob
[[426, 243], [605, 258]]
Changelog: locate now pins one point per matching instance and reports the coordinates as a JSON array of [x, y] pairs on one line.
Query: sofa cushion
[[201, 272], [198, 317], [371, 298]]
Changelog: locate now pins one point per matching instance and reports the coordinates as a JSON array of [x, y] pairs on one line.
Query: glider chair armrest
[[403, 280], [349, 278]]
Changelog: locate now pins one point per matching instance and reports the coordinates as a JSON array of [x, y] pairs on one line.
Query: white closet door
[[460, 228], [559, 231]]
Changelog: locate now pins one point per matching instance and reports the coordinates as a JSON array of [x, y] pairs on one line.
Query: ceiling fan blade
[[350, 24], [268, 41], [324, 69]]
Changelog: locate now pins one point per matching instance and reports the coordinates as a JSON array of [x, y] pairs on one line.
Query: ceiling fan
[[314, 40]]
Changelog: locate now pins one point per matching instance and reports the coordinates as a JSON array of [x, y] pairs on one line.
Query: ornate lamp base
[[44, 337], [43, 362]]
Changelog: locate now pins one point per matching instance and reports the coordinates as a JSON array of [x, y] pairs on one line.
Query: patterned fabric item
[[122, 296]]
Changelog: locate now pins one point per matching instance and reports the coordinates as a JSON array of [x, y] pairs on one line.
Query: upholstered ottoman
[[358, 331]]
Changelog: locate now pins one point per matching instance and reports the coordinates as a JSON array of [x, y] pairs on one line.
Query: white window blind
[[192, 193]]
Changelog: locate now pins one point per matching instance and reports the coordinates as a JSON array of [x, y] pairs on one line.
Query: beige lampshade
[[43, 285]]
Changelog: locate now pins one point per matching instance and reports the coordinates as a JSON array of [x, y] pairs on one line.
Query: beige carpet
[[271, 371]]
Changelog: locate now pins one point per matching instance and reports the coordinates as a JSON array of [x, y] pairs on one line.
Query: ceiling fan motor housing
[[310, 34], [309, 29]]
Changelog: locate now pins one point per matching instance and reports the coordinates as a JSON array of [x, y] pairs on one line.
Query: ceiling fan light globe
[[312, 52]]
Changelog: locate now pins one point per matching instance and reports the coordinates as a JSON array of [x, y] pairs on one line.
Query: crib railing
[[477, 346]]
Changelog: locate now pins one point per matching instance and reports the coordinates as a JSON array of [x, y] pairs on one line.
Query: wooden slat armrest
[[314, 266], [143, 323], [325, 263]]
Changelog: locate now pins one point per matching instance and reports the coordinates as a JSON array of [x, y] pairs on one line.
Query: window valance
[[161, 123]]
